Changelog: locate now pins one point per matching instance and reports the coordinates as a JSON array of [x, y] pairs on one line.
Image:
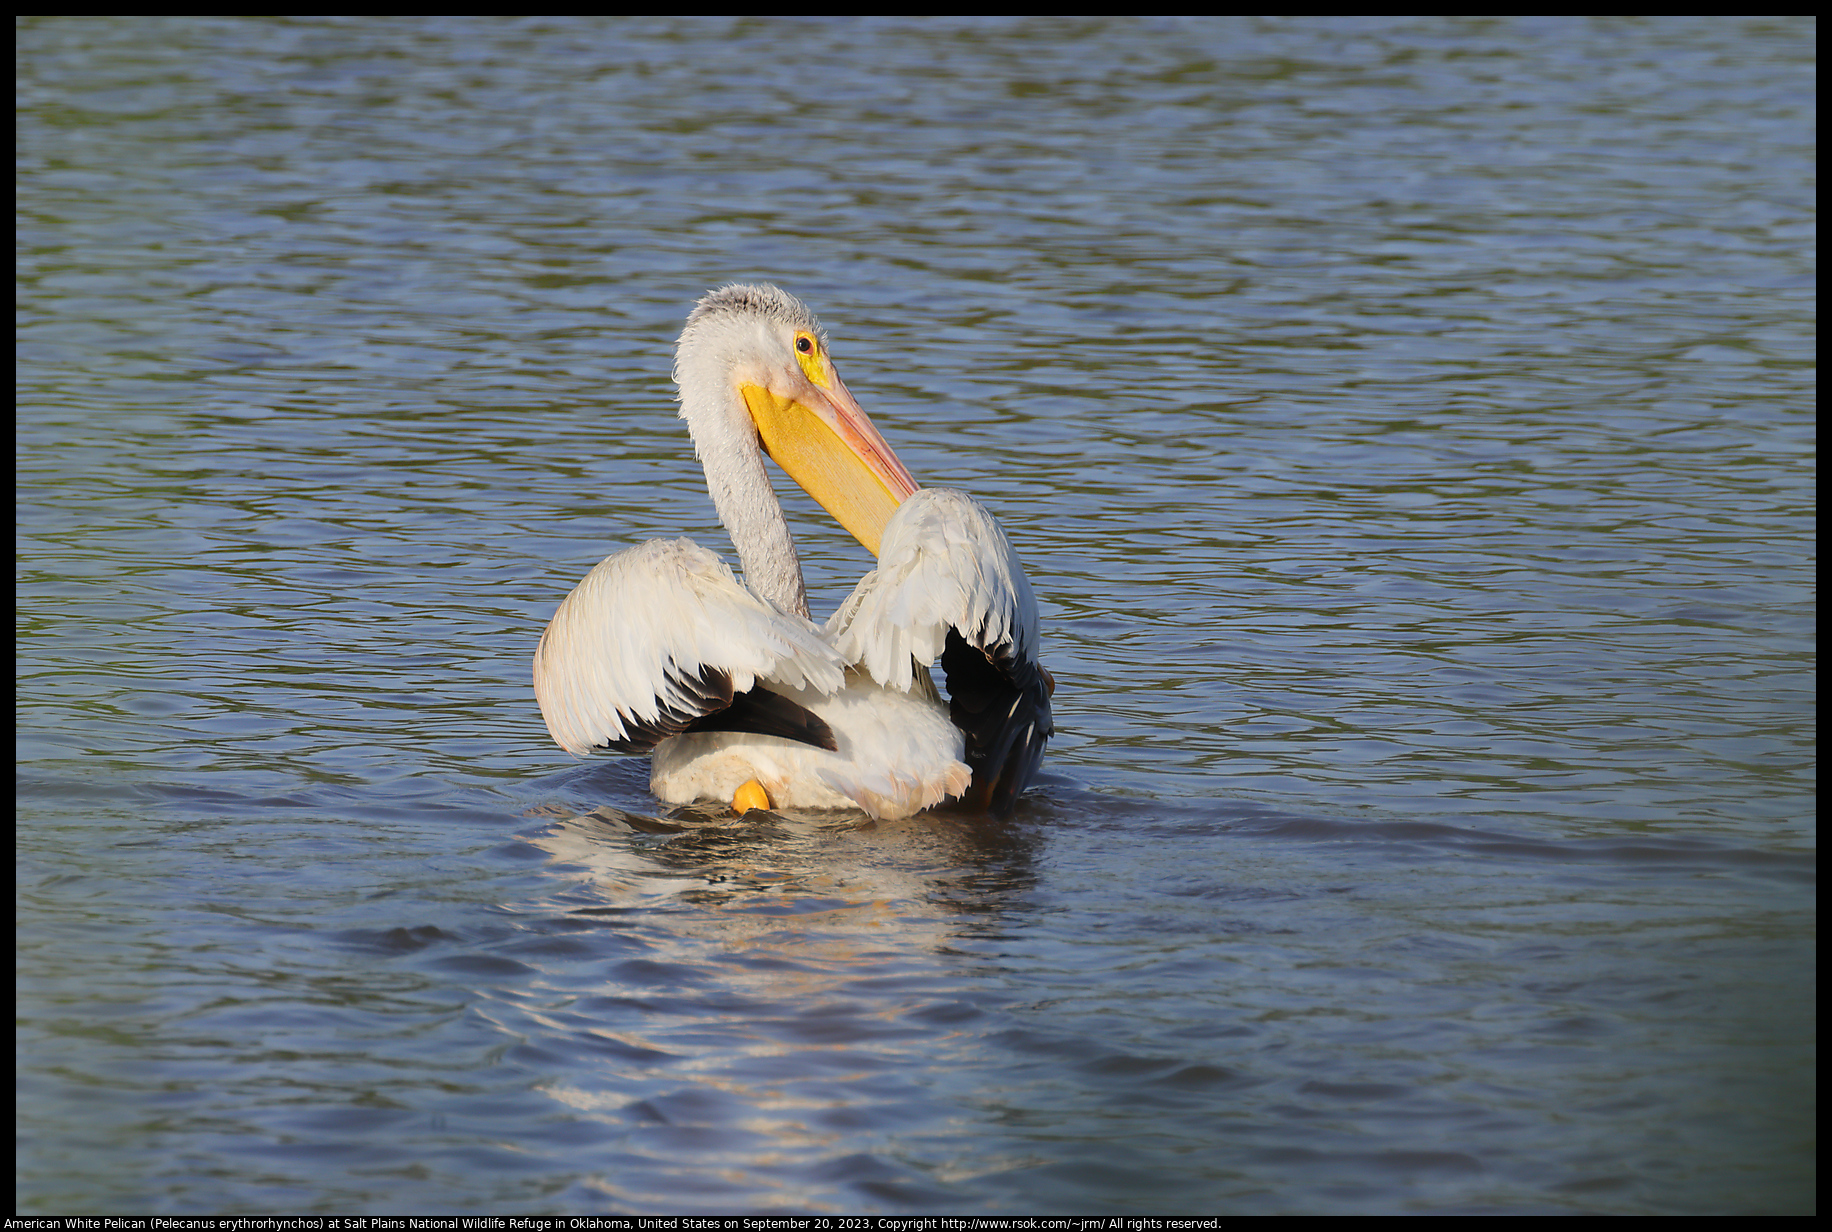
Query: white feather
[[945, 564], [644, 619], [896, 754]]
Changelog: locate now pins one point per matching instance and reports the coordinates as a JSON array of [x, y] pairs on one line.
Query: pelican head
[[755, 374]]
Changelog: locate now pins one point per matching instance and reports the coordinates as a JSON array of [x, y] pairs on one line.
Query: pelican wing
[[948, 586], [661, 639]]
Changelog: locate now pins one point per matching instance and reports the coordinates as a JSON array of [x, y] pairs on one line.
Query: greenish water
[[1409, 430]]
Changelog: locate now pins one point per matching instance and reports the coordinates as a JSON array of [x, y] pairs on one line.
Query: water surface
[[1408, 427]]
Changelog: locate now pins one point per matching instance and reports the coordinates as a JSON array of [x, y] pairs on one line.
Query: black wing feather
[[1002, 705], [769, 714], [713, 706]]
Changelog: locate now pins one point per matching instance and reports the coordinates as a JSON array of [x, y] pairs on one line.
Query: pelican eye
[[814, 365]]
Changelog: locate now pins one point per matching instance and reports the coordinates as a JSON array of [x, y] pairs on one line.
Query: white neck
[[727, 444]]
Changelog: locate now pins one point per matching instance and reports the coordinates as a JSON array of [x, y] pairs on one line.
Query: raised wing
[[949, 586], [661, 639]]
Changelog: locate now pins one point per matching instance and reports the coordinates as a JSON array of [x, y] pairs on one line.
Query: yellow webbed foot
[[750, 796]]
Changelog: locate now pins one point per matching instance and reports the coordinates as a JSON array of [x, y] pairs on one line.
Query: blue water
[[1409, 430]]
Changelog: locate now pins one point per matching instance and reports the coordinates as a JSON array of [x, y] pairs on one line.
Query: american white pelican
[[740, 695]]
